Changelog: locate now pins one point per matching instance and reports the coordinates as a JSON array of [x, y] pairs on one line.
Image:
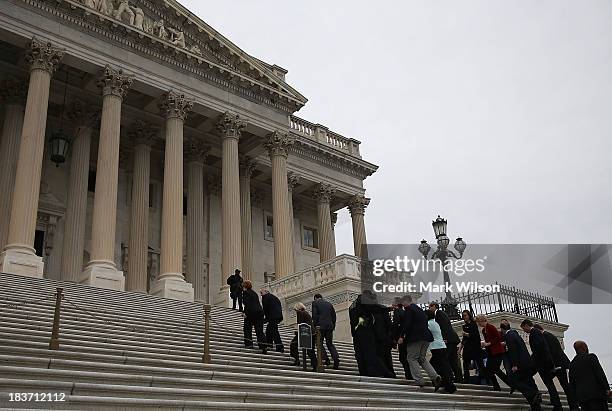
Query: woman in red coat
[[495, 351]]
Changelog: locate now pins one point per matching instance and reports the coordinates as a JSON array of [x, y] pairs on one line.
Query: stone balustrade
[[323, 135], [341, 267]]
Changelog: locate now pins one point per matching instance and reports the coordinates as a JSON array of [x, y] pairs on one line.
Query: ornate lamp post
[[443, 253]]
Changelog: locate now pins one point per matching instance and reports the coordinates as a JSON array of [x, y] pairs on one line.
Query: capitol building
[[143, 151]]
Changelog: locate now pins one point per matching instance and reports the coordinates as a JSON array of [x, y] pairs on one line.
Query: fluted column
[[142, 135], [83, 117], [357, 205], [334, 220], [230, 126], [247, 166], [277, 145], [101, 270], [19, 256], [323, 193], [13, 93], [195, 153], [292, 181], [171, 283]]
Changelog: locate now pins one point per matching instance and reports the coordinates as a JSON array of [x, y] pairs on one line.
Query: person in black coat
[[398, 318], [324, 316], [451, 339], [470, 346], [543, 361], [253, 317], [302, 316], [364, 336], [522, 369], [273, 313], [588, 380], [561, 363], [235, 283]]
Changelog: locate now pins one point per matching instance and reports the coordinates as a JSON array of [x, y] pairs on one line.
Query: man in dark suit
[[415, 333], [273, 312], [521, 369], [561, 364], [588, 380], [324, 316], [398, 318], [543, 361], [450, 337]]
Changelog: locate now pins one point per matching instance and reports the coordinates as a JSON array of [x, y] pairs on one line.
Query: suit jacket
[[273, 310], [414, 325], [323, 315], [517, 351], [587, 379], [540, 353], [448, 333], [252, 307], [558, 355]]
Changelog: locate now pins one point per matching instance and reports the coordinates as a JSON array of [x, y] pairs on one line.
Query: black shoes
[[336, 364], [437, 382]]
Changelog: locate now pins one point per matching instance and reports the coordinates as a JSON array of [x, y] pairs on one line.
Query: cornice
[[181, 58]]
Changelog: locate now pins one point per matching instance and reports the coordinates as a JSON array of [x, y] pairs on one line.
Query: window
[[91, 181], [185, 204], [269, 228], [39, 242], [310, 237]]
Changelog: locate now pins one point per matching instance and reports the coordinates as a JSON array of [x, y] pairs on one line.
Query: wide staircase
[[122, 350]]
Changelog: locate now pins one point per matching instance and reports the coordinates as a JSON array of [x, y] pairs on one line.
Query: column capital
[[14, 90], [82, 114], [293, 180], [247, 166], [196, 151], [357, 204], [278, 143], [175, 105], [143, 133], [323, 193], [114, 82], [230, 125], [43, 56]]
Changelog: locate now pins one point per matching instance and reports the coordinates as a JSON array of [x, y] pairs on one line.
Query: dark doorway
[[39, 242]]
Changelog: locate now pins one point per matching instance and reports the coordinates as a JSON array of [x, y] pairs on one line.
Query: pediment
[[166, 30]]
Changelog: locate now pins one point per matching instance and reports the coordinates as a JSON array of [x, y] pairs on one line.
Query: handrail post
[[319, 342], [54, 341], [206, 355]]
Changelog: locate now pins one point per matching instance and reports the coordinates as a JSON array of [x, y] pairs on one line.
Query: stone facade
[[186, 160]]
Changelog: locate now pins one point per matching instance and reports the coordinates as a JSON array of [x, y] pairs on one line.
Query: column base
[[173, 289], [21, 262], [103, 276], [223, 297]]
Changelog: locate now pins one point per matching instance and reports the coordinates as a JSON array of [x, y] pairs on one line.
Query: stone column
[[323, 193], [196, 153], [142, 136], [292, 181], [230, 126], [171, 283], [101, 270], [247, 166], [278, 145], [83, 117], [334, 220], [357, 205], [13, 93], [19, 256]]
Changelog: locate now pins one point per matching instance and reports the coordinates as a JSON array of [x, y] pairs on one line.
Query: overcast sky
[[494, 114]]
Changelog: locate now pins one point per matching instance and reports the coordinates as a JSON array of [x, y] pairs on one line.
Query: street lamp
[[443, 253]]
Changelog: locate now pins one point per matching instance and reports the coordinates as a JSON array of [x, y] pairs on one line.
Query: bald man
[[588, 380]]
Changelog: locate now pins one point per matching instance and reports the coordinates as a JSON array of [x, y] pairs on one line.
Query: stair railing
[[319, 343], [206, 355], [54, 341]]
